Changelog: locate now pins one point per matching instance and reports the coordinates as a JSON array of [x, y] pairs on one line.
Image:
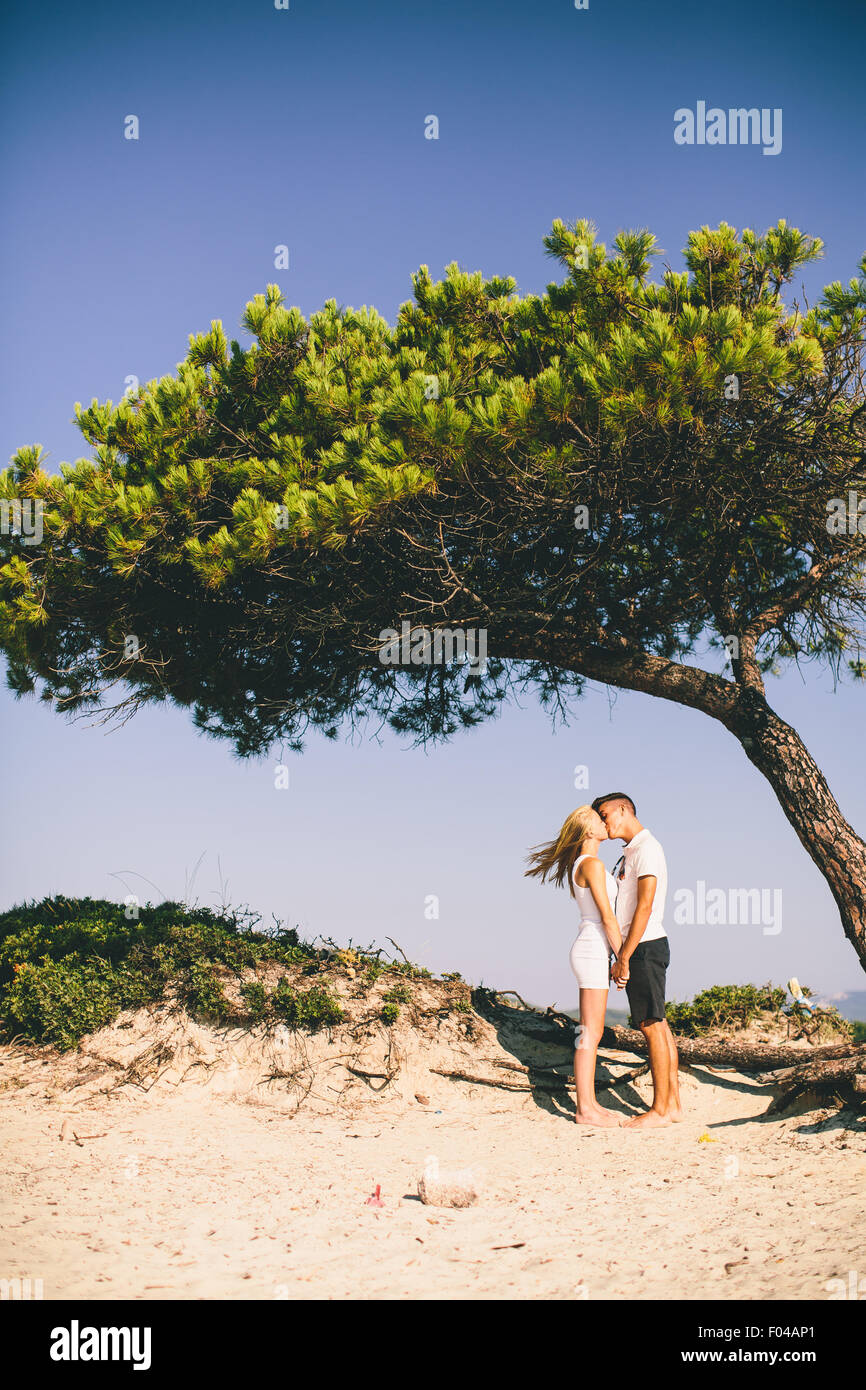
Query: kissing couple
[[621, 937]]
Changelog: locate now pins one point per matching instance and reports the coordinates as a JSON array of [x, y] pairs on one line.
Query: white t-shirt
[[643, 855]]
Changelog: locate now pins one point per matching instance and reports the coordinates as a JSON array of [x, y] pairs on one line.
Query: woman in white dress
[[573, 855]]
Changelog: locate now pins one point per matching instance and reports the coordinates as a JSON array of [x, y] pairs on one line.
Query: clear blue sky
[[306, 127]]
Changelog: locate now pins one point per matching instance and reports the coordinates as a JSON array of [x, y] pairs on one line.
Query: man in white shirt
[[645, 956]]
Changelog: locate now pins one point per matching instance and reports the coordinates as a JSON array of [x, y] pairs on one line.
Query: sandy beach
[[204, 1183]]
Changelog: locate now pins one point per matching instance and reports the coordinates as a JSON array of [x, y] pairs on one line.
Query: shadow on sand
[[543, 1044]]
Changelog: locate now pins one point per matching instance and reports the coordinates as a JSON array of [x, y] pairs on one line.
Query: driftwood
[[538, 1078], [738, 1056], [569, 1077], [821, 1076], [369, 1076], [728, 1054], [503, 1085], [816, 1069], [822, 1068], [501, 993], [398, 948]]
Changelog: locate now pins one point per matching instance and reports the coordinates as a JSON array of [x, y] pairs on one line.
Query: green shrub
[[255, 997], [405, 967], [725, 1006], [70, 966], [203, 996], [374, 969], [59, 1001], [398, 994], [311, 1008]]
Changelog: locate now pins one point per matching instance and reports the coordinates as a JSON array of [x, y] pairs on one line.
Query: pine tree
[[247, 527]]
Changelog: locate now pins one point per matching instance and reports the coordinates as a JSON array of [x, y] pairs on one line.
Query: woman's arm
[[593, 872]]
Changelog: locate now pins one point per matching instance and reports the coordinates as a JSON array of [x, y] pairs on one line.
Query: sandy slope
[[219, 1185]]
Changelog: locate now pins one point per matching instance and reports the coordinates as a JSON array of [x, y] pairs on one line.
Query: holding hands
[[619, 970]]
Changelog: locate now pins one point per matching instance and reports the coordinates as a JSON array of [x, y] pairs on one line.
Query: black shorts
[[645, 986]]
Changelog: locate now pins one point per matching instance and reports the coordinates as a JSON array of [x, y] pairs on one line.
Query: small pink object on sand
[[373, 1201]]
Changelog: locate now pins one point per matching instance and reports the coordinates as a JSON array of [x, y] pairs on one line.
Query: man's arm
[[646, 891]]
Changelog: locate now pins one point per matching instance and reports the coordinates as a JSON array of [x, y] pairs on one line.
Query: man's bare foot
[[651, 1119], [595, 1117], [676, 1113]]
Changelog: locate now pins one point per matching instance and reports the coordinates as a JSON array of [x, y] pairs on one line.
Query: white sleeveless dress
[[591, 950]]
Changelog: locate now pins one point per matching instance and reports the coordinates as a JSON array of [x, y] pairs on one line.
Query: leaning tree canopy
[[627, 462]]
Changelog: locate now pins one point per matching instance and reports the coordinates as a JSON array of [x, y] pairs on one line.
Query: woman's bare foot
[[595, 1117], [676, 1113], [651, 1119], [608, 1117]]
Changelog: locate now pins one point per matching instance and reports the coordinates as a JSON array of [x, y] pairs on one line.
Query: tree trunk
[[771, 745], [778, 752]]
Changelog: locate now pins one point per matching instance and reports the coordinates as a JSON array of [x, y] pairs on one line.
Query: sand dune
[[165, 1160]]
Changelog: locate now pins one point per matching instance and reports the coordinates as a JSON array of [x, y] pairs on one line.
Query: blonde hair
[[559, 855]]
